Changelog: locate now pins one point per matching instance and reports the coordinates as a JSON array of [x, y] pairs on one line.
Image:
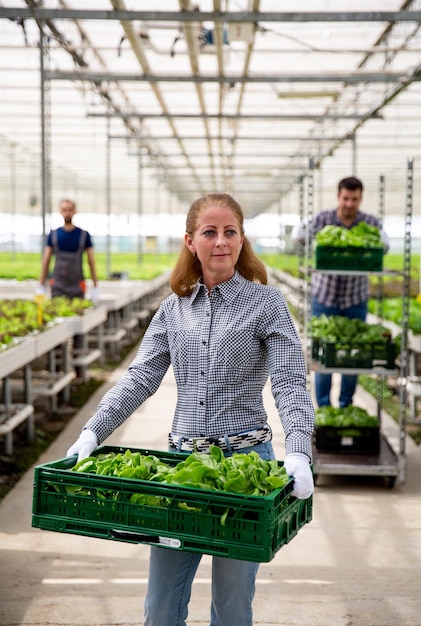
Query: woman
[[224, 331]]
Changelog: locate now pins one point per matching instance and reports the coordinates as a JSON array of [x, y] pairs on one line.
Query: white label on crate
[[171, 543], [347, 441]]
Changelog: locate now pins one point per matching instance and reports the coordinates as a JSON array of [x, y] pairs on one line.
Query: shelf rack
[[390, 462]]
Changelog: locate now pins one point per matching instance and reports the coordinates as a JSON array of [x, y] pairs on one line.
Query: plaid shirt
[[340, 291], [222, 349]]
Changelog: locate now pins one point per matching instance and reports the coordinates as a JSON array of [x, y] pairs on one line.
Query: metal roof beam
[[393, 91], [239, 116], [269, 183], [251, 138], [355, 77], [234, 155], [234, 171], [236, 17]]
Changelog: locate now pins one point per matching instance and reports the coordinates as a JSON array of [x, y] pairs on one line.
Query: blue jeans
[[171, 574], [323, 382]]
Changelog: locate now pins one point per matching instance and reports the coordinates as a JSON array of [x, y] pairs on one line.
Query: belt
[[245, 439]]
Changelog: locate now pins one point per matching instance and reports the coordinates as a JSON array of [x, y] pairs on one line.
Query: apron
[[67, 277]]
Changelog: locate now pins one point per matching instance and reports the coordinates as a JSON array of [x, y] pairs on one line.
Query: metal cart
[[388, 463]]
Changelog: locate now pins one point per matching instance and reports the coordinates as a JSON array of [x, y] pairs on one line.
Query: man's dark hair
[[351, 183]]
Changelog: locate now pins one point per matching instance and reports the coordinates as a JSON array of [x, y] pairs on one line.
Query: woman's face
[[217, 242]]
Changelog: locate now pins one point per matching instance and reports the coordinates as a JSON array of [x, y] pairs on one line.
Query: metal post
[[66, 369], [301, 253], [108, 199], [405, 316], [139, 202], [382, 204], [320, 190], [171, 198], [354, 154], [309, 265], [301, 203], [157, 207], [44, 169], [379, 309], [13, 195]]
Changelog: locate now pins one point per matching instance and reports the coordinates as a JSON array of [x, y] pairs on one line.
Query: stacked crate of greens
[[340, 342], [358, 248], [349, 429]]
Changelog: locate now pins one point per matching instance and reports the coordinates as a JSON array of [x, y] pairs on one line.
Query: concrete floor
[[358, 563]]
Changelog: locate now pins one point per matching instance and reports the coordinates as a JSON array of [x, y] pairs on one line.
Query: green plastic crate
[[354, 354], [80, 503], [349, 258], [354, 439]]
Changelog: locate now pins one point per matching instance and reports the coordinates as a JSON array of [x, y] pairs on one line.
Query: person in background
[[345, 295], [224, 331], [67, 244]]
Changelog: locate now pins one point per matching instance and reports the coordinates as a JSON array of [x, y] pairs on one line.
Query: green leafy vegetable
[[392, 310], [361, 235], [247, 474], [350, 416], [241, 473], [337, 328]]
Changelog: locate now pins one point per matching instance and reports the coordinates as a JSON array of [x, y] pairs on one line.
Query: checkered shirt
[[340, 291], [222, 349]]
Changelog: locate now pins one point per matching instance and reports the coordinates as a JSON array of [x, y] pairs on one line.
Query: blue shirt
[[68, 240], [222, 348]]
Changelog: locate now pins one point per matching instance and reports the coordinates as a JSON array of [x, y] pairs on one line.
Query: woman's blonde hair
[[188, 268]]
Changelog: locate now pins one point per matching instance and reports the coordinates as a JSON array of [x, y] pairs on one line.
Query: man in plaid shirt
[[340, 295]]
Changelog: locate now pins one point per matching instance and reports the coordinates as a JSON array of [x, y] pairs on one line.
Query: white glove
[[95, 294], [40, 290], [85, 445], [297, 465]]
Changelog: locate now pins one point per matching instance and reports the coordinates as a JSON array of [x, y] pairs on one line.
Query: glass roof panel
[[207, 104]]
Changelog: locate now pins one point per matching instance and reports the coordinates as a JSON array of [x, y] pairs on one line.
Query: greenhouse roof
[[128, 109]]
